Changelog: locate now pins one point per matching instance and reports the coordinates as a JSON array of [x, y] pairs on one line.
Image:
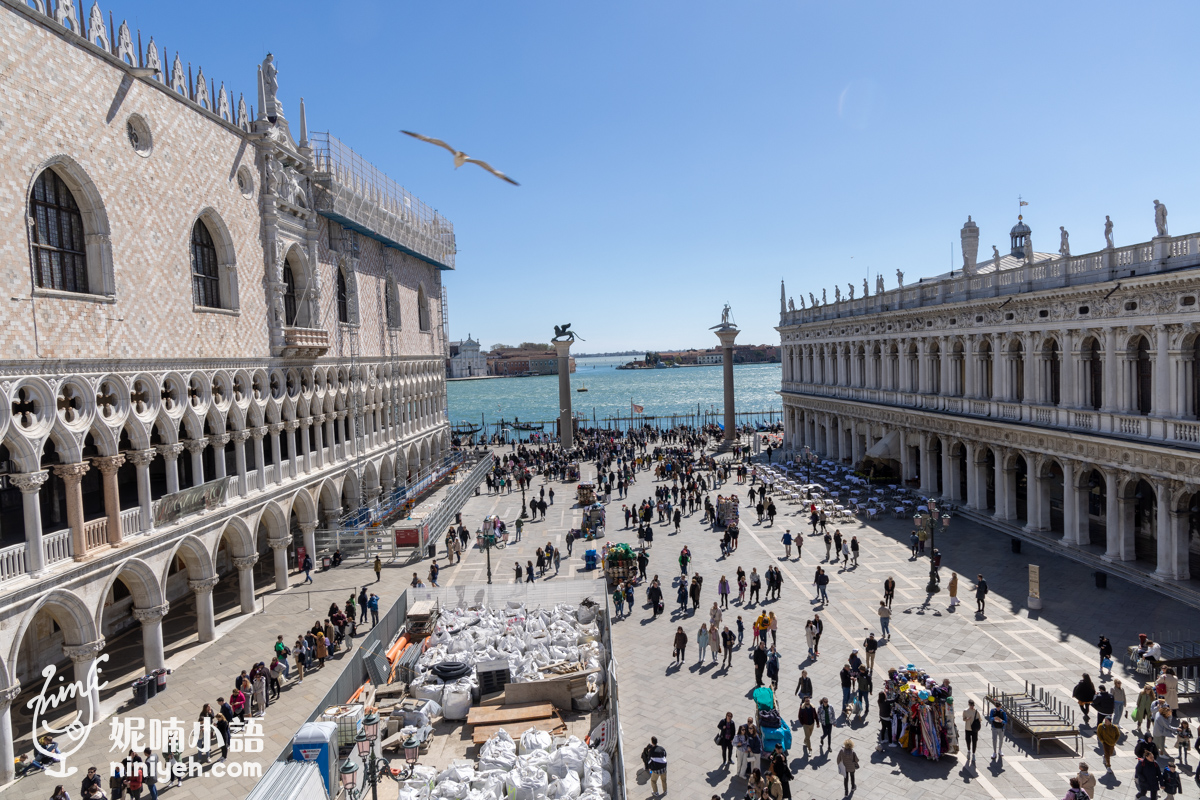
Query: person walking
[[755, 585], [1143, 709], [680, 645], [998, 719], [1084, 692], [889, 591], [822, 581], [657, 765], [378, 569], [846, 675], [759, 656], [773, 667], [779, 783], [981, 590], [726, 730], [807, 718], [825, 718], [810, 639], [723, 591], [655, 595], [818, 629], [870, 645], [1147, 776], [1118, 693], [787, 544], [702, 641], [1161, 727], [854, 549], [847, 761], [618, 598], [727, 639], [681, 595], [307, 567], [885, 618], [1108, 734], [1106, 663], [1103, 704], [952, 587], [694, 590], [828, 539], [972, 722]]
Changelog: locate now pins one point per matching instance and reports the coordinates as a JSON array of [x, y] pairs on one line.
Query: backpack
[[769, 718]]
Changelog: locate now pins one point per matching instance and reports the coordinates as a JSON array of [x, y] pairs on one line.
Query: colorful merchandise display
[[922, 713]]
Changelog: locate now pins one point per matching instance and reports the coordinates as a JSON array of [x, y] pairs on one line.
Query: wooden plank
[[482, 733], [496, 716]]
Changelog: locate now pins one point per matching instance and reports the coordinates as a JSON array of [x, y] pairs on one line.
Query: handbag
[[717, 740], [841, 769], [1106, 663]]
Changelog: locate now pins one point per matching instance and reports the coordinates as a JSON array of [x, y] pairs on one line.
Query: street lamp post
[[929, 525], [524, 511], [375, 767], [489, 539]]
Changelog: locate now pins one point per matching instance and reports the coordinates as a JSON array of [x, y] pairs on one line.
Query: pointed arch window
[[289, 295], [343, 298], [59, 248], [206, 275], [392, 305], [422, 310]]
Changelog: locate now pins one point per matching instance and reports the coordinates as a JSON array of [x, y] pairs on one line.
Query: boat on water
[[581, 388]]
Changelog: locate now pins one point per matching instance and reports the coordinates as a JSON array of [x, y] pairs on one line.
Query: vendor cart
[[593, 521], [727, 510], [620, 563], [922, 713], [573, 471], [585, 493], [775, 730]]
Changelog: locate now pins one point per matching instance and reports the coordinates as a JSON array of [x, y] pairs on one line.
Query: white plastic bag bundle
[[533, 739], [586, 614], [571, 756], [594, 794], [594, 774], [427, 687], [571, 785], [462, 773], [538, 759], [456, 702], [526, 783], [498, 753], [451, 790]]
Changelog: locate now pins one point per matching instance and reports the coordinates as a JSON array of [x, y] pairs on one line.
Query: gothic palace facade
[[1059, 393], [197, 293]]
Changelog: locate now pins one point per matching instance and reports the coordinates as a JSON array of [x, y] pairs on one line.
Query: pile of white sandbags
[[526, 638]]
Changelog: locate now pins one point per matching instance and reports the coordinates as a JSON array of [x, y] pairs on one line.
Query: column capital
[[108, 465], [245, 562], [170, 451], [307, 421], [340, 414], [292, 424], [239, 436], [275, 428], [152, 614], [203, 585], [278, 544], [29, 482], [307, 528], [78, 653], [72, 473], [195, 446], [141, 458], [219, 439], [258, 433], [8, 694]]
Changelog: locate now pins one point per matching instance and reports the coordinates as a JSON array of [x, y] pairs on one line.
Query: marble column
[[1075, 516], [152, 635], [245, 568], [565, 430], [319, 434], [1112, 514], [1178, 525], [196, 447], [305, 445], [30, 484], [218, 442], [1161, 404], [1035, 494], [279, 552], [260, 457], [928, 467], [294, 467], [239, 458], [87, 674], [141, 461], [1165, 555], [275, 428], [8, 754], [727, 333], [308, 531], [170, 454], [206, 623], [1109, 403], [72, 475], [108, 466], [1005, 489], [1067, 382], [331, 439], [951, 464]]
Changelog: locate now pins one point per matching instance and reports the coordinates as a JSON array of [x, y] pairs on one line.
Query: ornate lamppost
[[375, 767], [489, 541], [928, 524]]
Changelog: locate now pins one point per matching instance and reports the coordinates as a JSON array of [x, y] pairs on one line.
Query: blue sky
[[675, 156]]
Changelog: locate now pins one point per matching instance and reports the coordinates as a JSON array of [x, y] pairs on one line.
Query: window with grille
[[422, 309], [59, 251], [206, 280], [289, 296], [391, 307], [343, 298]]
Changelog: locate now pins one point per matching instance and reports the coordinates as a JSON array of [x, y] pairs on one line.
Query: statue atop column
[[1108, 236], [837, 294], [824, 298], [792, 303], [851, 288], [900, 278], [879, 288], [1064, 242], [812, 300], [865, 292], [996, 256], [271, 87], [726, 323], [1160, 218]]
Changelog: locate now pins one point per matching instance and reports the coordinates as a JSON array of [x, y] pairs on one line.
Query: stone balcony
[[304, 342]]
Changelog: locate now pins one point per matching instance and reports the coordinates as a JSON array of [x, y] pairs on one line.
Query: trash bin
[[432, 549], [326, 562], [1101, 580], [589, 559], [1016, 545], [160, 679], [140, 692], [151, 686]]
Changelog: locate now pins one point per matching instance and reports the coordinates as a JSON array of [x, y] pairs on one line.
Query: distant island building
[[511, 362], [466, 360], [742, 354]]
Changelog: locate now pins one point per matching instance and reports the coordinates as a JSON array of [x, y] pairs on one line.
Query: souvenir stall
[[922, 713], [727, 511]]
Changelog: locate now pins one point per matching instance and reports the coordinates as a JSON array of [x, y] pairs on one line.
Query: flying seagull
[[461, 158]]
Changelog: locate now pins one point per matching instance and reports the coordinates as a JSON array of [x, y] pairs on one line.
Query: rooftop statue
[[1064, 243], [1108, 226], [1160, 218], [900, 279]]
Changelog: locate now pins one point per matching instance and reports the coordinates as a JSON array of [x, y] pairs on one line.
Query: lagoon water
[[661, 392]]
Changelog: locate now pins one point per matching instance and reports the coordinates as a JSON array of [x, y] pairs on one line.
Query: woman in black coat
[[726, 729], [1083, 693]]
